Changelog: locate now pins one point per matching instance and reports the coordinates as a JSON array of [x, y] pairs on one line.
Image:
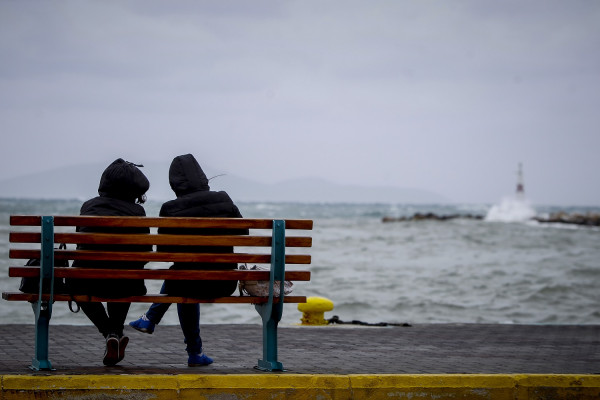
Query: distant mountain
[[319, 190], [81, 182]]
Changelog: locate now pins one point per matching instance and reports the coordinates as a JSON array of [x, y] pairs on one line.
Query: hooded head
[[186, 176], [123, 180]]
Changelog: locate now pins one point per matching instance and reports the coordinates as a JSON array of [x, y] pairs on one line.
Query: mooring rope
[[336, 320]]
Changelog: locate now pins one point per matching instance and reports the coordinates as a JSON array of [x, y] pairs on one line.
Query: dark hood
[[186, 176], [123, 180]]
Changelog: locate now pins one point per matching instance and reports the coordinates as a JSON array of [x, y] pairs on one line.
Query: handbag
[[32, 285], [261, 288]]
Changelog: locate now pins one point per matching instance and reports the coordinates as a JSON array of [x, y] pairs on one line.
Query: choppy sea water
[[496, 270]]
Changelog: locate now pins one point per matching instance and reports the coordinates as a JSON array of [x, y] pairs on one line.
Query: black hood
[[123, 180], [186, 176]]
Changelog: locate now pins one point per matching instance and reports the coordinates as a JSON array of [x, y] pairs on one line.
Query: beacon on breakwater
[[520, 185]]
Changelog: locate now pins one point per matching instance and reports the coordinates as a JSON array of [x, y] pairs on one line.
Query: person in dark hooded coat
[[121, 192], [194, 199]]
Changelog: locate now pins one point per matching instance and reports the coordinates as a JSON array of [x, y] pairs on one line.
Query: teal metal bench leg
[[271, 312], [43, 309], [269, 361], [40, 360]]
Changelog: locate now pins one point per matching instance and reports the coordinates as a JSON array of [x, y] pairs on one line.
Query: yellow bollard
[[314, 309]]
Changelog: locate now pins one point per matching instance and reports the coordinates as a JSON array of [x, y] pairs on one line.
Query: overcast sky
[[447, 96]]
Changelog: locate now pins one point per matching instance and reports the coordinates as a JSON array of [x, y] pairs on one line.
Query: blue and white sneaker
[[199, 360], [143, 324]]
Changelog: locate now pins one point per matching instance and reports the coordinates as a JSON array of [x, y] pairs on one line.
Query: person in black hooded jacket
[[194, 199], [121, 192]]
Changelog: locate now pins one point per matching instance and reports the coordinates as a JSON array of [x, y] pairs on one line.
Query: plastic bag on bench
[[261, 288]]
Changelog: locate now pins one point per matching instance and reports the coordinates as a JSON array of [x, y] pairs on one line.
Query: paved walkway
[[420, 349]]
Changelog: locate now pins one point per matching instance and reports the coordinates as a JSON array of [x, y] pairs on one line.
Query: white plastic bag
[[261, 288]]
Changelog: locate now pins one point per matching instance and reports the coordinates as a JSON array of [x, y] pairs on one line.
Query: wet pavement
[[337, 349]]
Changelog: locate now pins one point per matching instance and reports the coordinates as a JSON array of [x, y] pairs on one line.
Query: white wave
[[511, 209]]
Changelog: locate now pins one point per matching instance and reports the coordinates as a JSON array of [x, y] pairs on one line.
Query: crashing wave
[[511, 210]]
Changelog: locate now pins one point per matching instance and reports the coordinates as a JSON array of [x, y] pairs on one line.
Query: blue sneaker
[[143, 324], [199, 360]]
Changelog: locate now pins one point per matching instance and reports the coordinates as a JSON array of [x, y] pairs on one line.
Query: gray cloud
[[445, 96]]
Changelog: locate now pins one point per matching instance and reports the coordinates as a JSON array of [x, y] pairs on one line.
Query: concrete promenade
[[340, 361]]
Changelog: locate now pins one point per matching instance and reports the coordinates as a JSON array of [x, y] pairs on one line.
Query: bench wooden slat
[[150, 298], [159, 239], [161, 222], [157, 256], [97, 273]]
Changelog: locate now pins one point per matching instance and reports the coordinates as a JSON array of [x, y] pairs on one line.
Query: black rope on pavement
[[336, 320]]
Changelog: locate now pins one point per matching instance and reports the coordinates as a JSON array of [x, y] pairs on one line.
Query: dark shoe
[[111, 354], [142, 324], [122, 344], [199, 360]]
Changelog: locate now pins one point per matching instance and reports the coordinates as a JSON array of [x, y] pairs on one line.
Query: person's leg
[[97, 314], [157, 310], [117, 313], [146, 323], [189, 319]]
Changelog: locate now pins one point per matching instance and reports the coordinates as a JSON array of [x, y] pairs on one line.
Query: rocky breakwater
[[562, 217], [589, 219], [431, 217]]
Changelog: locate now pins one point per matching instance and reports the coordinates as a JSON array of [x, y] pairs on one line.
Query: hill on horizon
[[81, 182]]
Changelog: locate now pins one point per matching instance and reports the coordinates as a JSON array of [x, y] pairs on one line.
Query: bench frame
[[269, 308]]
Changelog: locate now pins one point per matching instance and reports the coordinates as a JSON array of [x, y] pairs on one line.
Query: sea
[[502, 268]]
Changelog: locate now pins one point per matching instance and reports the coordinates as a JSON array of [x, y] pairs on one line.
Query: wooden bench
[[36, 237]]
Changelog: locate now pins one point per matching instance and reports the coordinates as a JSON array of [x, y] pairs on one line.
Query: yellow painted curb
[[433, 381], [25, 382], [297, 386], [560, 380], [476, 386]]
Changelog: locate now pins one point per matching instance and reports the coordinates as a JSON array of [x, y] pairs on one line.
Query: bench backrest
[[263, 233], [267, 243]]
